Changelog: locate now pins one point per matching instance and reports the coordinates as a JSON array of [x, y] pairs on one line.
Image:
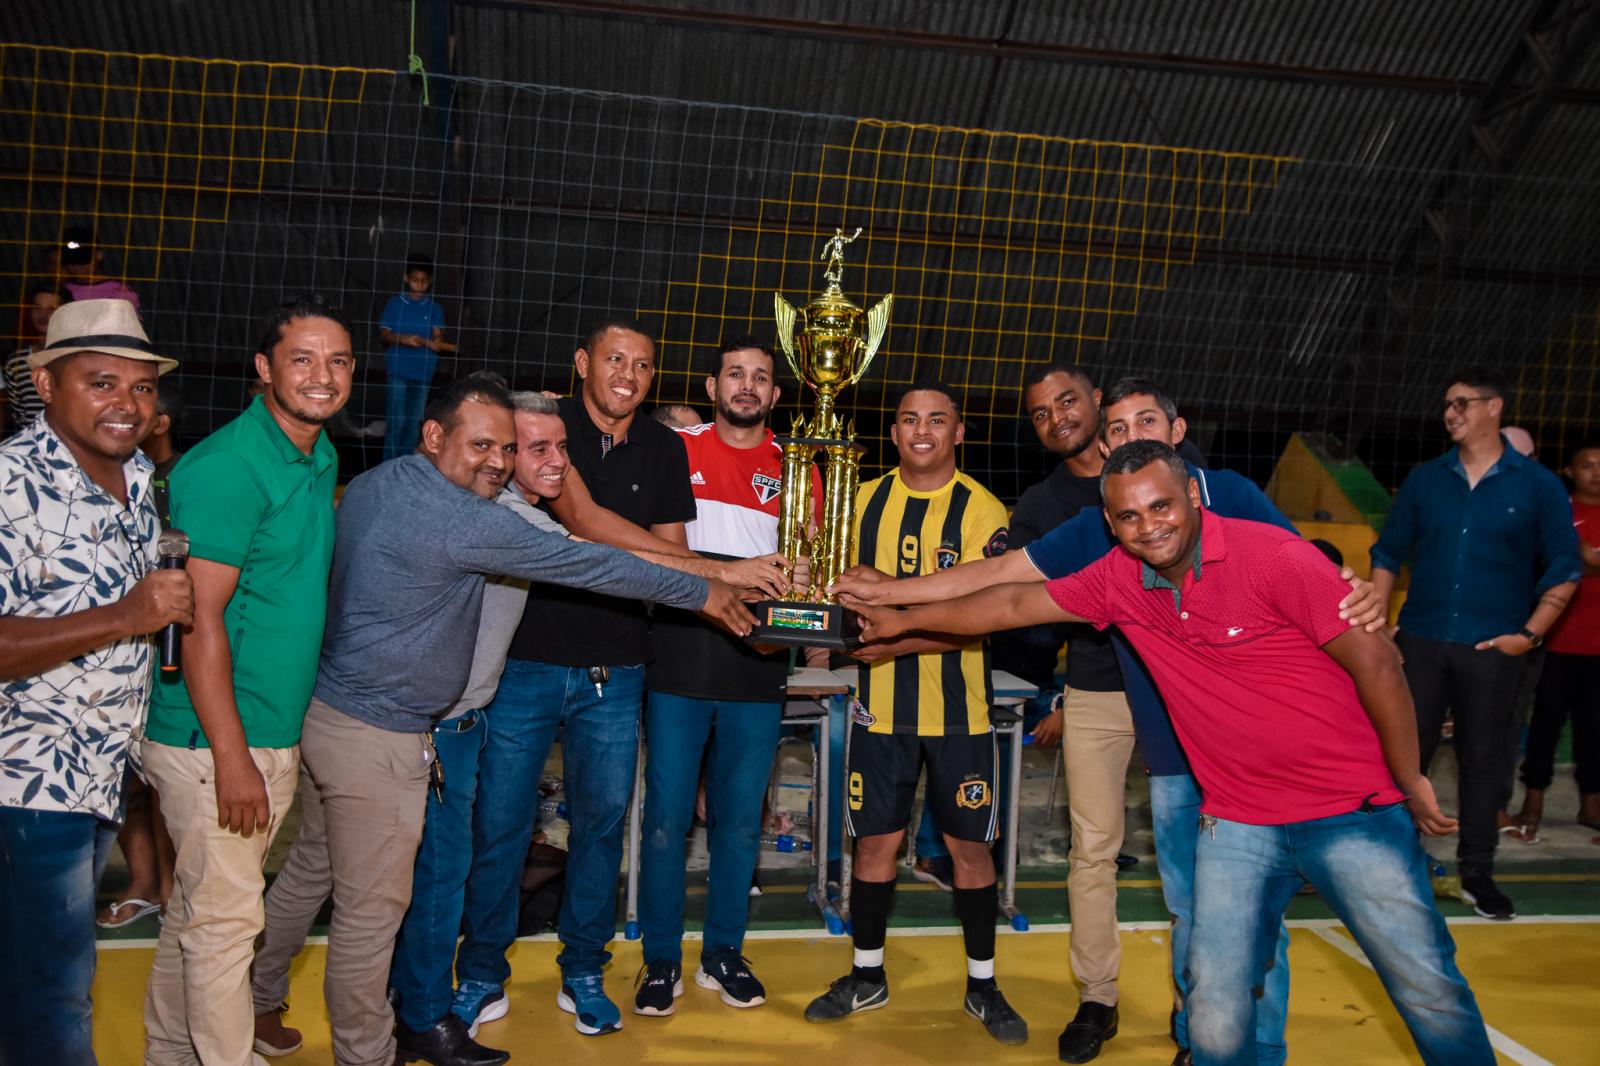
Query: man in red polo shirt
[[1299, 729]]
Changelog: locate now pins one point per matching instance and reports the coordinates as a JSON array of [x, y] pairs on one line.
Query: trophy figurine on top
[[832, 348]]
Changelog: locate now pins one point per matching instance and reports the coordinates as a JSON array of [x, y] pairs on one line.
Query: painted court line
[[818, 933], [1497, 1040]]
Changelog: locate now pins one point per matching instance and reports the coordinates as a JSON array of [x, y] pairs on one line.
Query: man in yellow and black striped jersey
[[923, 702]]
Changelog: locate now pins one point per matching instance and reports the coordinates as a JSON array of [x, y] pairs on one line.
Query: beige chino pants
[[362, 806], [197, 1008], [1097, 743]]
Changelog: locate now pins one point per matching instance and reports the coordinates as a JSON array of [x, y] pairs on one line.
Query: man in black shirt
[[576, 664], [1094, 722]]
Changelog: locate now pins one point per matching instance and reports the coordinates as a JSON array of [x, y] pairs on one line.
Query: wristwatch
[[1534, 639]]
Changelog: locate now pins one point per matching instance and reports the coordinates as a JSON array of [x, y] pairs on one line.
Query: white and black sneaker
[[728, 972], [1480, 891], [985, 1003], [659, 984], [848, 995]]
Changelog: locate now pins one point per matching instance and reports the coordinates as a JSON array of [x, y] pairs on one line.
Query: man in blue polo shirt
[[1136, 409], [413, 327], [1487, 532]]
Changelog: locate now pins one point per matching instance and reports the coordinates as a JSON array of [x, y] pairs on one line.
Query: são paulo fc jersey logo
[[766, 486]]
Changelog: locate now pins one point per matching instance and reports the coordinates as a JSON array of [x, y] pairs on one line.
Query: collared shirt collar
[[1209, 546], [1509, 458], [322, 453], [68, 474], [589, 429]]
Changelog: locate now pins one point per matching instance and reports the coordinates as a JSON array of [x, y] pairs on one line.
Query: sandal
[[141, 907]]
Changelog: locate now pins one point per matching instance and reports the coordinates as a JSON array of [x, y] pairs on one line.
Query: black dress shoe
[[446, 1044], [1093, 1025]]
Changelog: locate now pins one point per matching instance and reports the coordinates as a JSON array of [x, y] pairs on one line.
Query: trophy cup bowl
[[830, 351]]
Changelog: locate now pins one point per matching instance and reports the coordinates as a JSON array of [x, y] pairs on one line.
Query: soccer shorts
[[881, 783]]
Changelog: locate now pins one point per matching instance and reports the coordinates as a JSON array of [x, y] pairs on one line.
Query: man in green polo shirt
[[222, 743]]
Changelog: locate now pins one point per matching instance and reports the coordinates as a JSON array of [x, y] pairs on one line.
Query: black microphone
[[174, 550]]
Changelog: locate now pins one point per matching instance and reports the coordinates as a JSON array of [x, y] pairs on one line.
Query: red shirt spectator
[[1577, 631], [1272, 725]]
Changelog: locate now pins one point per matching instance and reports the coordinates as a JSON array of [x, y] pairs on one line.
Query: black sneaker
[[729, 973], [658, 985], [986, 1004], [846, 996], [1480, 891]]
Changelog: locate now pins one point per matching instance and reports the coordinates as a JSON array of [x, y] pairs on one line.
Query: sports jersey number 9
[[910, 550], [856, 790]]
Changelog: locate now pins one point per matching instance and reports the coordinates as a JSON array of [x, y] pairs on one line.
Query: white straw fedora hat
[[110, 327]]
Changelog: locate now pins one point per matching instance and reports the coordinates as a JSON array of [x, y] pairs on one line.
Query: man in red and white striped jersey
[[706, 684]]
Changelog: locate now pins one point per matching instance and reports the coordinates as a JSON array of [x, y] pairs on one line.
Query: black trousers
[[1570, 688], [1479, 688]]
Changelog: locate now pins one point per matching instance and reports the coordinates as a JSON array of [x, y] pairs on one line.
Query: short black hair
[[739, 343], [1591, 444], [928, 385], [591, 336], [169, 401], [43, 285], [1329, 550], [1481, 378], [304, 305], [1039, 371], [418, 261], [1138, 454], [480, 386], [1132, 386]]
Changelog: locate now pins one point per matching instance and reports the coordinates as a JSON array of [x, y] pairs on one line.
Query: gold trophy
[[833, 348]]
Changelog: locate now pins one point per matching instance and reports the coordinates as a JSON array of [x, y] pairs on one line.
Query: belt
[[457, 725]]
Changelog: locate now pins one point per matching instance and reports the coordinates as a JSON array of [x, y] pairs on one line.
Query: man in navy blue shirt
[[1136, 409], [1487, 532]]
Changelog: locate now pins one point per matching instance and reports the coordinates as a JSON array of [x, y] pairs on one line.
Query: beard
[[741, 419], [291, 406], [1072, 451]]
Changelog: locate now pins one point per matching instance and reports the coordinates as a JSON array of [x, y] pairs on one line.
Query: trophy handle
[[785, 313], [877, 326]]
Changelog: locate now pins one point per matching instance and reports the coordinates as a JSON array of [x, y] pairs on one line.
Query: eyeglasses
[[1460, 404]]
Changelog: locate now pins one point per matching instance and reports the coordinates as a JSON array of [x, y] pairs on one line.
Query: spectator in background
[[22, 399], [143, 838], [79, 597], [81, 260], [1570, 686], [1466, 621], [222, 743], [413, 327], [677, 416]]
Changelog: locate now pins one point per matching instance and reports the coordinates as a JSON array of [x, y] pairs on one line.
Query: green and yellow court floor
[[1537, 980]]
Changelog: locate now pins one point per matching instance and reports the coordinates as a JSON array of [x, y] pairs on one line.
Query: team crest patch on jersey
[[860, 714], [973, 795], [946, 557], [766, 486], [996, 545]]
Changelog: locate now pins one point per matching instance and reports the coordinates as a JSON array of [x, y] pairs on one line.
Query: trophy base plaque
[[807, 625]]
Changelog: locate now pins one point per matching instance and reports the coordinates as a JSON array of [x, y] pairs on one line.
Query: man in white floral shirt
[[79, 597]]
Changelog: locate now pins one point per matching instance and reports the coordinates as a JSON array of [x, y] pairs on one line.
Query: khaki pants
[[362, 805], [1097, 742], [198, 1006]]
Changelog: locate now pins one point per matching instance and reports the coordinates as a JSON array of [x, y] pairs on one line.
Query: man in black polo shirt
[[576, 664]]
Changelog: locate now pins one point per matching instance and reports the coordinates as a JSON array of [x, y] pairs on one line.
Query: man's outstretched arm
[[1000, 607], [864, 585]]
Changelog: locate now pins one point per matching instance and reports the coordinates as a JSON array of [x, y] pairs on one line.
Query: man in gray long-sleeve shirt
[[415, 538]]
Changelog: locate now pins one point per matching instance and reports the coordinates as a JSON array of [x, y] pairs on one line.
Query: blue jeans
[[599, 741], [50, 865], [742, 748], [402, 415], [1371, 871], [425, 950], [1175, 814]]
